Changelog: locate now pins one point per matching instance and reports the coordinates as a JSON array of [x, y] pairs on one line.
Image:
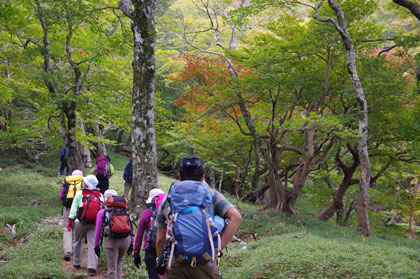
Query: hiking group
[[182, 232]]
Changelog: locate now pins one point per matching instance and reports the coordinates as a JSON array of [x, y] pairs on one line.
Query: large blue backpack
[[194, 235]]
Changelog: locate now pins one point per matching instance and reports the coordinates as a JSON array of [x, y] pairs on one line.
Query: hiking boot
[[91, 272], [66, 256], [76, 266]]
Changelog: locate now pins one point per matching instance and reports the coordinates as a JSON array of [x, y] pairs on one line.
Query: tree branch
[[413, 7]]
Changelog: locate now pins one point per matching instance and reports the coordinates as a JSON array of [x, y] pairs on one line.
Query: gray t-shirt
[[220, 206]]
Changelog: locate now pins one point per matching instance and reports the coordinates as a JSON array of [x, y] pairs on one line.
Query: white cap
[[153, 193], [91, 181], [77, 172], [108, 193]]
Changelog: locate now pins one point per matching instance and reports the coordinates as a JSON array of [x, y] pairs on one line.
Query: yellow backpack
[[73, 184]]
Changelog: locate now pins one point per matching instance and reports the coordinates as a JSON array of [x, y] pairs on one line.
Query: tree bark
[[337, 203], [363, 224], [413, 7], [84, 150], [100, 146], [145, 176], [212, 179], [411, 231], [119, 141], [74, 158]]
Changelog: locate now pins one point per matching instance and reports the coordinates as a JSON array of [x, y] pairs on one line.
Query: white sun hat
[[77, 172], [108, 193], [91, 181], [153, 193]]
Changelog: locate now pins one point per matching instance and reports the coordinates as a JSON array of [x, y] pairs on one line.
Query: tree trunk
[[84, 150], [74, 157], [221, 180], [363, 224], [337, 203], [145, 176], [411, 231], [119, 141], [212, 182], [100, 146]]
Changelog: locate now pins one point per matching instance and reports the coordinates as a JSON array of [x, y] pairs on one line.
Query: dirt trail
[[68, 265]]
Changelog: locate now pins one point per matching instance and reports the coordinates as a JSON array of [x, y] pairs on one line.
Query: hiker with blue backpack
[[103, 170], [188, 212], [72, 184], [113, 223], [85, 207], [147, 232]]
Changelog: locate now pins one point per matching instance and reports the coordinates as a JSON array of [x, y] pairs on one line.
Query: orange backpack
[[117, 221]]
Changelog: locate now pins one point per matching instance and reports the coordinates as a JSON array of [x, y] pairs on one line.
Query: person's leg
[[67, 235], [90, 235], [150, 261], [103, 184], [111, 252], [62, 166], [123, 247], [77, 243], [127, 188]]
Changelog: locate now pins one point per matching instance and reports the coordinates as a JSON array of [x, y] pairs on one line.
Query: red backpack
[[117, 221], [91, 204], [102, 167]]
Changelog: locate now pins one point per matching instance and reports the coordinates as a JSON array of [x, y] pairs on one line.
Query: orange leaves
[[208, 83]]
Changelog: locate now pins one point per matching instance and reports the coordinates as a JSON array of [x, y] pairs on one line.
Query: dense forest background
[[259, 90]]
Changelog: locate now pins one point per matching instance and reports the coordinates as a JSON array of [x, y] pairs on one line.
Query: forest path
[[68, 265]]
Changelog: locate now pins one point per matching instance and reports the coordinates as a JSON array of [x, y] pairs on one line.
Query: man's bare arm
[[235, 219], [160, 241]]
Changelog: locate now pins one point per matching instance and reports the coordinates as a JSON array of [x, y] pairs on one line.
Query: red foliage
[[207, 78]]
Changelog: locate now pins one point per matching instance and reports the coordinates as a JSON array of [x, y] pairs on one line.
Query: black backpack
[[152, 232]]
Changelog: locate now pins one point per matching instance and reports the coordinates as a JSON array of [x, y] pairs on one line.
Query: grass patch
[[38, 257]]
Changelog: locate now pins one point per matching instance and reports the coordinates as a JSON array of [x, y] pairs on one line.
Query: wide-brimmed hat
[[152, 194], [77, 172], [91, 181], [108, 193]]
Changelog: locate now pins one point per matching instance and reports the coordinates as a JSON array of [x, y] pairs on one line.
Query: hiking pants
[[115, 250], [150, 261], [67, 236], [63, 166], [127, 188], [179, 270], [80, 230], [103, 183]]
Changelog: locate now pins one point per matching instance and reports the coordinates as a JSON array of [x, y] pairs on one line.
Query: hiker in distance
[[63, 162], [147, 231], [103, 170], [72, 184], [114, 223], [85, 207], [128, 179], [194, 241]]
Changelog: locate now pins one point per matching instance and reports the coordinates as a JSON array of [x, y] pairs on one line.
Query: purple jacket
[[143, 226], [98, 228]]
